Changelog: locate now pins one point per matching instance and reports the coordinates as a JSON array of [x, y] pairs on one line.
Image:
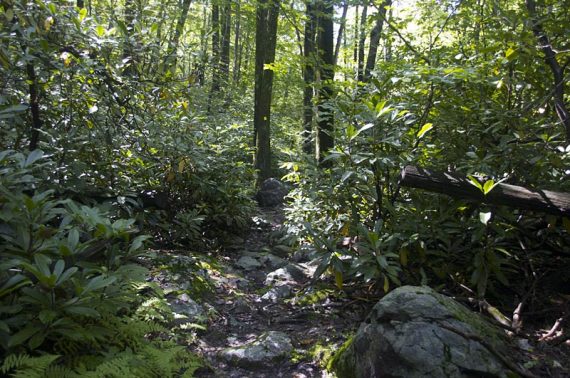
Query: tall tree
[[341, 28], [375, 38], [555, 67], [226, 34], [309, 74], [362, 41], [215, 52], [171, 54], [325, 46], [237, 45], [265, 42]]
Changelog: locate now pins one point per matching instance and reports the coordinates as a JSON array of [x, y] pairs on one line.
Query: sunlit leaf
[[338, 279], [425, 128], [485, 217], [475, 182], [488, 186]]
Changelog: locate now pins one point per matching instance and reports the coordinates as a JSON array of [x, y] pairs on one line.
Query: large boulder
[[271, 193], [416, 332]]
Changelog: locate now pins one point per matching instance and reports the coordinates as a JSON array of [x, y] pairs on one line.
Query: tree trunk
[[215, 53], [341, 28], [325, 47], [375, 39], [355, 37], [503, 194], [265, 42], [309, 75], [171, 54], [361, 42], [237, 48], [555, 68], [226, 35], [204, 47], [34, 106]]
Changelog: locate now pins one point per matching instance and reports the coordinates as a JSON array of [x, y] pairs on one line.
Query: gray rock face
[[248, 263], [268, 348], [289, 274], [187, 310], [272, 261], [416, 332], [271, 193], [278, 292]]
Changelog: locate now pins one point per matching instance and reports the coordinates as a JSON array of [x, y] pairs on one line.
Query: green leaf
[[475, 182], [346, 176], [23, 335], [82, 14], [489, 185], [338, 279], [363, 128], [100, 30], [37, 340], [137, 243], [99, 282], [66, 275], [84, 311], [14, 283], [73, 238], [34, 156], [425, 128], [11, 111], [58, 268], [510, 54]]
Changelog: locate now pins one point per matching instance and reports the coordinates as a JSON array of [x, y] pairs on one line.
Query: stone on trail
[[272, 261], [281, 250], [289, 274], [267, 349], [416, 332], [271, 193], [187, 310], [248, 263], [278, 292]]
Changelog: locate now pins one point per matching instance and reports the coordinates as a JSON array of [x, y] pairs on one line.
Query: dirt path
[[265, 321]]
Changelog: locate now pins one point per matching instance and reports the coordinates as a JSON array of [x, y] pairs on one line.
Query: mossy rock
[[417, 332]]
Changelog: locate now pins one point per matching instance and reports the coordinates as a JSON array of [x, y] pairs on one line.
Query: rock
[[271, 193], [277, 292], [241, 306], [272, 261], [267, 349], [187, 311], [239, 283], [248, 263], [416, 332], [281, 250], [289, 274]]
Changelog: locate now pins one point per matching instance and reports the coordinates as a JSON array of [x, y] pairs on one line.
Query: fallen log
[[458, 186]]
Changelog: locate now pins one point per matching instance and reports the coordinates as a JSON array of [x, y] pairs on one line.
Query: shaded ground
[[244, 304]]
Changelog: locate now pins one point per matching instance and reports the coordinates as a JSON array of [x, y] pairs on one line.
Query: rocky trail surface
[[261, 317]]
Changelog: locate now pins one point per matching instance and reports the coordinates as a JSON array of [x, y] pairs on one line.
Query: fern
[[26, 366]]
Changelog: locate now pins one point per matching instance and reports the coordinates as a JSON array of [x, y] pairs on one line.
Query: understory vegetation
[[126, 131]]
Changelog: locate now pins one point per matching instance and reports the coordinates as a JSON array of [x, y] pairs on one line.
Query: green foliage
[[70, 287], [482, 112]]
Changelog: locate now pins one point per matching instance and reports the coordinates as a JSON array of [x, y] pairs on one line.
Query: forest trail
[[263, 319]]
